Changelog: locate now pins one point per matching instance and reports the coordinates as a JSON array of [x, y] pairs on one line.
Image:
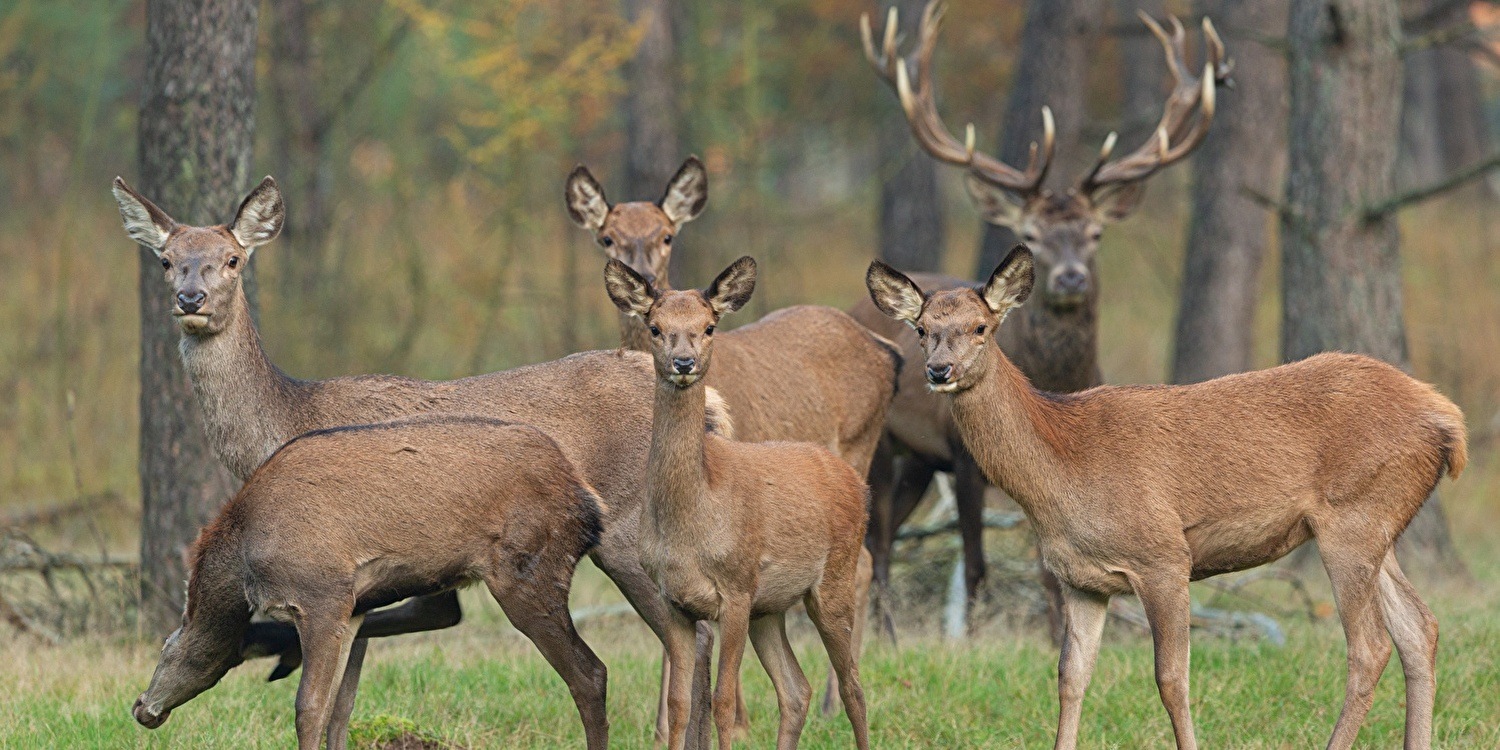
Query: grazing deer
[[344, 520], [740, 532], [807, 373], [1055, 339], [1144, 488], [596, 405]]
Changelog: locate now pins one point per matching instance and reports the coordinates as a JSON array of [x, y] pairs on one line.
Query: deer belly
[[1243, 541], [1081, 571]]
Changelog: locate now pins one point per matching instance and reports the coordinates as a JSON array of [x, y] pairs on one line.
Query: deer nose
[[1072, 281], [191, 303], [683, 365], [939, 374]]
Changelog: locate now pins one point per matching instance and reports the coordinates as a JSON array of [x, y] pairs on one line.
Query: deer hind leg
[[793, 694], [831, 605], [343, 702], [1354, 570], [327, 634], [968, 492], [1415, 632], [1169, 610], [1083, 616], [619, 558], [863, 581], [537, 605], [890, 508]]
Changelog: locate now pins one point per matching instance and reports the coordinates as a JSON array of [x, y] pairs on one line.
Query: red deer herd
[[721, 476]]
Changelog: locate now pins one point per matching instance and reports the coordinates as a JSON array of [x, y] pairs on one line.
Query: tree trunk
[[196, 125], [911, 209], [302, 161], [1341, 272], [1051, 71], [652, 141], [1443, 125], [1227, 232], [1143, 70]]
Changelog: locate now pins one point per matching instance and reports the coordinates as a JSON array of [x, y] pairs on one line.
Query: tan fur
[[736, 532], [1141, 489], [341, 521], [596, 405]]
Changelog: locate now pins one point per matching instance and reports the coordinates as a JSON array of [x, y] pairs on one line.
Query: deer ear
[[630, 291], [144, 222], [732, 289], [260, 217], [894, 293], [996, 205], [1114, 203], [587, 205], [687, 192], [1010, 284]]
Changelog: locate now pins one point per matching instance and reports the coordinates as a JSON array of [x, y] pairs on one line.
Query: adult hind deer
[[596, 405], [1144, 488], [1055, 338], [344, 520], [806, 373], [740, 532]]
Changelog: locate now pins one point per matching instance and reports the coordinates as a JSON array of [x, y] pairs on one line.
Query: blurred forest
[[422, 147]]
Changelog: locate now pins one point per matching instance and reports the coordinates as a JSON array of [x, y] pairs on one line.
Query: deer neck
[[1026, 442], [249, 406], [633, 333], [1058, 348], [676, 482]]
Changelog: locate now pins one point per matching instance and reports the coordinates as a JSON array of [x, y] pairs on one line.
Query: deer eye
[[667, 240], [607, 241], [234, 261], [655, 331], [979, 331], [709, 331], [167, 264], [1096, 234], [921, 332]]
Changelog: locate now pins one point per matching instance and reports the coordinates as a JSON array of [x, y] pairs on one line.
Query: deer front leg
[[327, 640], [343, 703], [678, 639], [1169, 610], [1083, 615], [793, 694], [734, 630]]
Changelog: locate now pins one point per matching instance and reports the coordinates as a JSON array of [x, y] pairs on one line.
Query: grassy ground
[[482, 685]]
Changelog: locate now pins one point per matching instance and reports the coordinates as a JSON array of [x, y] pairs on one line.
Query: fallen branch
[[53, 514], [992, 520], [15, 619]]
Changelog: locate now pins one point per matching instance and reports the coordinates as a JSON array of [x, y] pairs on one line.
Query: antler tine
[[885, 61], [1179, 131]]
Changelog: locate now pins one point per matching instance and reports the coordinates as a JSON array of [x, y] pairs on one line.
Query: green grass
[[482, 685]]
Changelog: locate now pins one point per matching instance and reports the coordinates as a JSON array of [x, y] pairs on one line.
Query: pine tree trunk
[[302, 160], [652, 140], [1227, 233], [196, 126], [911, 210], [1443, 126], [1341, 272], [1051, 71]]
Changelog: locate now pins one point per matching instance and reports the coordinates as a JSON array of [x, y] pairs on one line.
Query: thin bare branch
[[1417, 195]]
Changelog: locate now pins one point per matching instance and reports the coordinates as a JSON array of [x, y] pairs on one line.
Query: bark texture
[[911, 211], [1443, 126], [1228, 232], [1341, 272], [1051, 70], [302, 160], [196, 126], [653, 149]]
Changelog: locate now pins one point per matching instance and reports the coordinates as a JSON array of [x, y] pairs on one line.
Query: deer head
[[681, 323], [203, 264], [954, 325], [640, 233], [1063, 229]]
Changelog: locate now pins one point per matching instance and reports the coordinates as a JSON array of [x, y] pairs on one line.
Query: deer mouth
[[192, 321], [948, 387], [683, 380], [146, 718]]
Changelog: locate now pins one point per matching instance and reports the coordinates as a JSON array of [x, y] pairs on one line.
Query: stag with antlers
[[1054, 338]]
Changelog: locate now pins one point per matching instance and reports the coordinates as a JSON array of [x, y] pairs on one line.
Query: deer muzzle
[[148, 717]]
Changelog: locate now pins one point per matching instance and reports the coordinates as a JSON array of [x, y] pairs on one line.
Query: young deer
[[344, 520], [596, 405], [1055, 338], [807, 374], [1142, 489], [740, 532]]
